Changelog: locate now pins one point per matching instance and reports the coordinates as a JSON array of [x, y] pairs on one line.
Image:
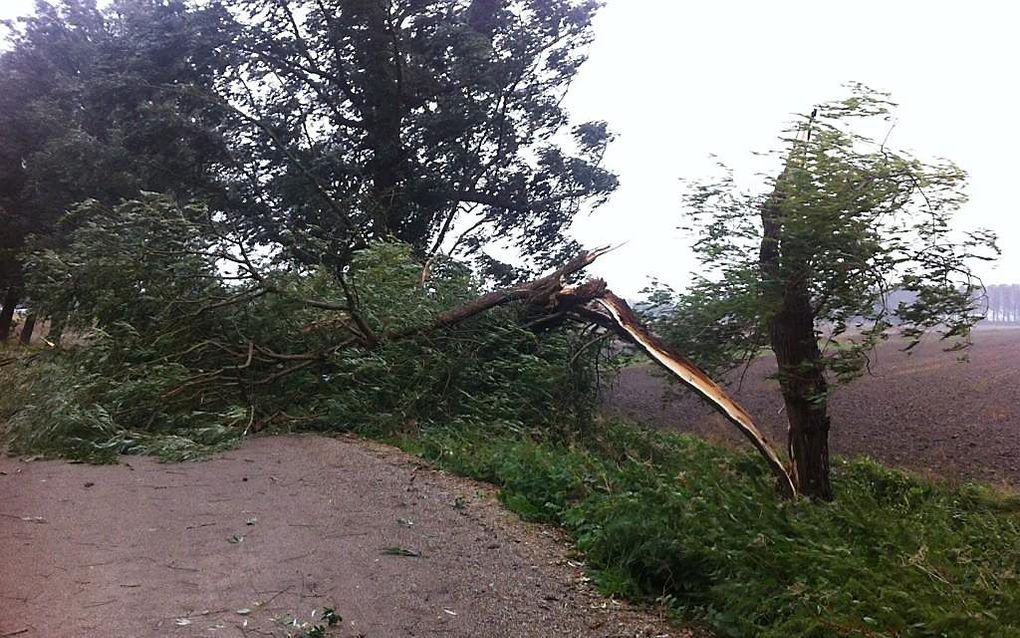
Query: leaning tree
[[853, 241]]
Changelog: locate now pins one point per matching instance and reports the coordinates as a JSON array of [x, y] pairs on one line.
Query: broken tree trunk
[[616, 314], [593, 301]]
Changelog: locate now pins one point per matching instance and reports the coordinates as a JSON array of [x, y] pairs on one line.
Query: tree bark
[[623, 320], [802, 380], [28, 329], [792, 336], [7, 313], [56, 332]]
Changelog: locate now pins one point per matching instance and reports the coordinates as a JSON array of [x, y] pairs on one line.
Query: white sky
[[679, 81]]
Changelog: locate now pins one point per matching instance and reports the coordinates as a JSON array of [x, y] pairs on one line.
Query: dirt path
[[926, 412], [280, 528]]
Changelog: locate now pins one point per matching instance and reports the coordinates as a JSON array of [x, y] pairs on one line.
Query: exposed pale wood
[[693, 377], [593, 301]]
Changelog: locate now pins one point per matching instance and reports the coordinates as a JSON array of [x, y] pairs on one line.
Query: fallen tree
[[232, 342], [551, 300], [554, 300]]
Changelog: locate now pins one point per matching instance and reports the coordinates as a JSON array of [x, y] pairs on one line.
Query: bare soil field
[[924, 411], [259, 540]]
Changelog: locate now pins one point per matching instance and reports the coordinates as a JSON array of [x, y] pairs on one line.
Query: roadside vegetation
[[698, 528], [659, 517]]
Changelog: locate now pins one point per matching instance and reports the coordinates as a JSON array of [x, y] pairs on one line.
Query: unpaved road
[[243, 543], [927, 411]]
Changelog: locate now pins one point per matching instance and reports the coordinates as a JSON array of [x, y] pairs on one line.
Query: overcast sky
[[681, 81]]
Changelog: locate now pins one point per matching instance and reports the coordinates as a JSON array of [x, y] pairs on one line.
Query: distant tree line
[[1003, 303]]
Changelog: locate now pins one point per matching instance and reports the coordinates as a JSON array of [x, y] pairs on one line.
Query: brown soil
[[242, 544], [926, 411]]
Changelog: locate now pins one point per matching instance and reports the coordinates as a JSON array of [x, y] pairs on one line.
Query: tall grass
[[674, 519]]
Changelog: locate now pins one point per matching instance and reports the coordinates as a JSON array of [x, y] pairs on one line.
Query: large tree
[[809, 268], [87, 111], [429, 121]]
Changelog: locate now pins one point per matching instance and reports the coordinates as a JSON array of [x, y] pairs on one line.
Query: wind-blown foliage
[[87, 110], [860, 222], [183, 348], [808, 268], [437, 122]]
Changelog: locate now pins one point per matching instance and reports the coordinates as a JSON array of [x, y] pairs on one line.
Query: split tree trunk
[[553, 301], [7, 313], [623, 320], [804, 392], [28, 329]]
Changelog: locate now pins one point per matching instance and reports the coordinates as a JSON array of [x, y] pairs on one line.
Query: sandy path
[[282, 526]]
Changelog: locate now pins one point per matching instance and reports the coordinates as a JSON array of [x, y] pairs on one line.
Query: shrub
[[191, 340]]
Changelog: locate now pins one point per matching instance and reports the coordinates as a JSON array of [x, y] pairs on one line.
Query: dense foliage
[[809, 269], [88, 110], [339, 154], [180, 353], [675, 519], [317, 125], [437, 122]]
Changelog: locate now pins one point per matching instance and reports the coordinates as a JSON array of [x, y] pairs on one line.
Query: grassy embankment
[[675, 519]]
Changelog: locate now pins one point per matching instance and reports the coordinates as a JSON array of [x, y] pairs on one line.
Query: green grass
[[658, 516], [671, 518]]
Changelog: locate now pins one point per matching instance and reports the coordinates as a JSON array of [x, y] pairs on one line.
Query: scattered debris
[[396, 550]]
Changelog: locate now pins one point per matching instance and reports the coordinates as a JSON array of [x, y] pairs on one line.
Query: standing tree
[[809, 268], [86, 113], [435, 122]]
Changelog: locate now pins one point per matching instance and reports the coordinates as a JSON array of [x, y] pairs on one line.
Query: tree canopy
[[87, 114], [437, 123], [809, 267], [316, 126]]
